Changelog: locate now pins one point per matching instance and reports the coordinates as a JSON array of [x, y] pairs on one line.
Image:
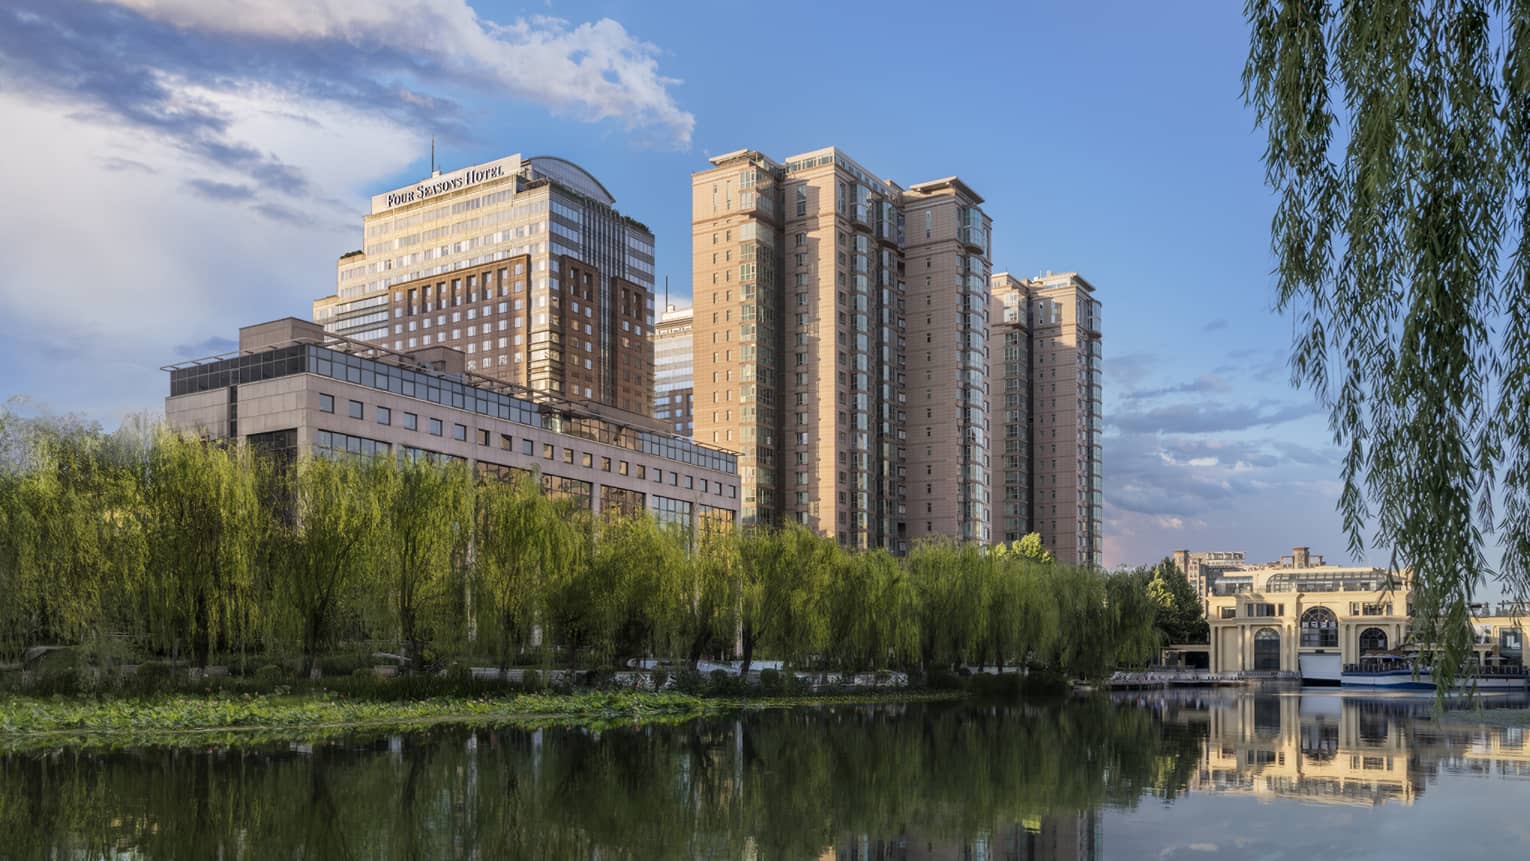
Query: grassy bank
[[30, 723]]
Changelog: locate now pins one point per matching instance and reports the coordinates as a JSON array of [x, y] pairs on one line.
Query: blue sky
[[176, 168]]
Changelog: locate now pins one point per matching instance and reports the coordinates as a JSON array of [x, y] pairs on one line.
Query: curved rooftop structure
[[567, 173]]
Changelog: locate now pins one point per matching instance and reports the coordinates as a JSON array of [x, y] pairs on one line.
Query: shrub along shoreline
[[218, 719]]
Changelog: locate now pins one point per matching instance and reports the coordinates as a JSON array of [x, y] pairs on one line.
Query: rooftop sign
[[446, 182]]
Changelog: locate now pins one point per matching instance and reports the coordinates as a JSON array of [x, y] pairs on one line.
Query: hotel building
[[1046, 379], [672, 369], [835, 311], [523, 265], [295, 390]]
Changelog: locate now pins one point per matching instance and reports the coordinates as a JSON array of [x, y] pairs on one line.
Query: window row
[[528, 447]]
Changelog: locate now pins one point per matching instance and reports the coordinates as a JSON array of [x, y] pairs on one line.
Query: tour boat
[[1389, 672]]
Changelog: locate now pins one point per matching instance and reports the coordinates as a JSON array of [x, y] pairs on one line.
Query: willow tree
[[324, 554], [632, 597], [710, 617], [67, 536], [425, 528], [783, 573], [525, 545], [953, 582], [203, 522], [1022, 612], [1131, 622], [872, 612], [1398, 143]]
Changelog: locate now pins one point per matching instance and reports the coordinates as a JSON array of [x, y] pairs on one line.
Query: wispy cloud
[[1209, 417], [214, 190], [1204, 384]]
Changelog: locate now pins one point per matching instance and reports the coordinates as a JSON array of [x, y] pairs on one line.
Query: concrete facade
[[808, 349], [312, 393], [524, 265]]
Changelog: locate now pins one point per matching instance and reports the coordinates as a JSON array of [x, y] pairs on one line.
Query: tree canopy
[[1398, 146]]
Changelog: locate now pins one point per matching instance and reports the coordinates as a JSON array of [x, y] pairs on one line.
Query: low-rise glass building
[[295, 390]]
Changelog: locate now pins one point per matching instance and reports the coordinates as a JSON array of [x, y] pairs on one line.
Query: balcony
[[974, 237]]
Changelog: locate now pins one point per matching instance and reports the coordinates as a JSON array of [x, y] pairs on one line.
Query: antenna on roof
[[433, 171], [666, 291]]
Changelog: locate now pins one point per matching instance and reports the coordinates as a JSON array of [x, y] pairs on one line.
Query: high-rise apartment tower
[[1046, 376], [823, 296]]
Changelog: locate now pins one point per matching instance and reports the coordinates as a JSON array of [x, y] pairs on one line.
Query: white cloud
[[118, 261], [592, 71]]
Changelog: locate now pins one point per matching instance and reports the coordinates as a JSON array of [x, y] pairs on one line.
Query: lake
[[1217, 774]]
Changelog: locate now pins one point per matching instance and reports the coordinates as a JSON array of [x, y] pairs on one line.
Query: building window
[[605, 464], [549, 451], [1320, 629], [355, 409], [384, 416], [435, 427], [505, 442], [326, 403], [411, 421], [1373, 640], [483, 437], [1267, 649], [527, 447]]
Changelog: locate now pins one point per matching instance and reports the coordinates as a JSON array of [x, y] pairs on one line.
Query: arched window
[[1373, 640], [1267, 649], [1320, 628]]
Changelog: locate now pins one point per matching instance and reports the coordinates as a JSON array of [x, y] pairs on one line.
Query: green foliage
[[422, 539], [1398, 144], [1029, 547], [152, 677], [147, 547], [271, 674], [1181, 615]]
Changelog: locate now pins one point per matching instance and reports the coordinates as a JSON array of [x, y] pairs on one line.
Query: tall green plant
[[203, 524], [425, 528], [525, 546], [324, 555]]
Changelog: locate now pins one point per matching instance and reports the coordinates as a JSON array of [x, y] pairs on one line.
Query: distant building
[[1300, 615], [294, 390], [672, 369], [1046, 379], [522, 264], [1204, 567]]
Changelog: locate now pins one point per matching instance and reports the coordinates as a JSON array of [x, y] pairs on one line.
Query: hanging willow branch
[[1399, 148]]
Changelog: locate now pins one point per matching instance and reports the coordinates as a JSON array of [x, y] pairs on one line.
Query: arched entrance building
[[1306, 621], [1312, 620]]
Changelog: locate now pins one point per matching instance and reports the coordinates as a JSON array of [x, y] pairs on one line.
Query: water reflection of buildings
[[1329, 749], [1061, 837]]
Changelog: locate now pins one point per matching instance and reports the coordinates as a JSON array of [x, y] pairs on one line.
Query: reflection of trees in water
[[788, 782]]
